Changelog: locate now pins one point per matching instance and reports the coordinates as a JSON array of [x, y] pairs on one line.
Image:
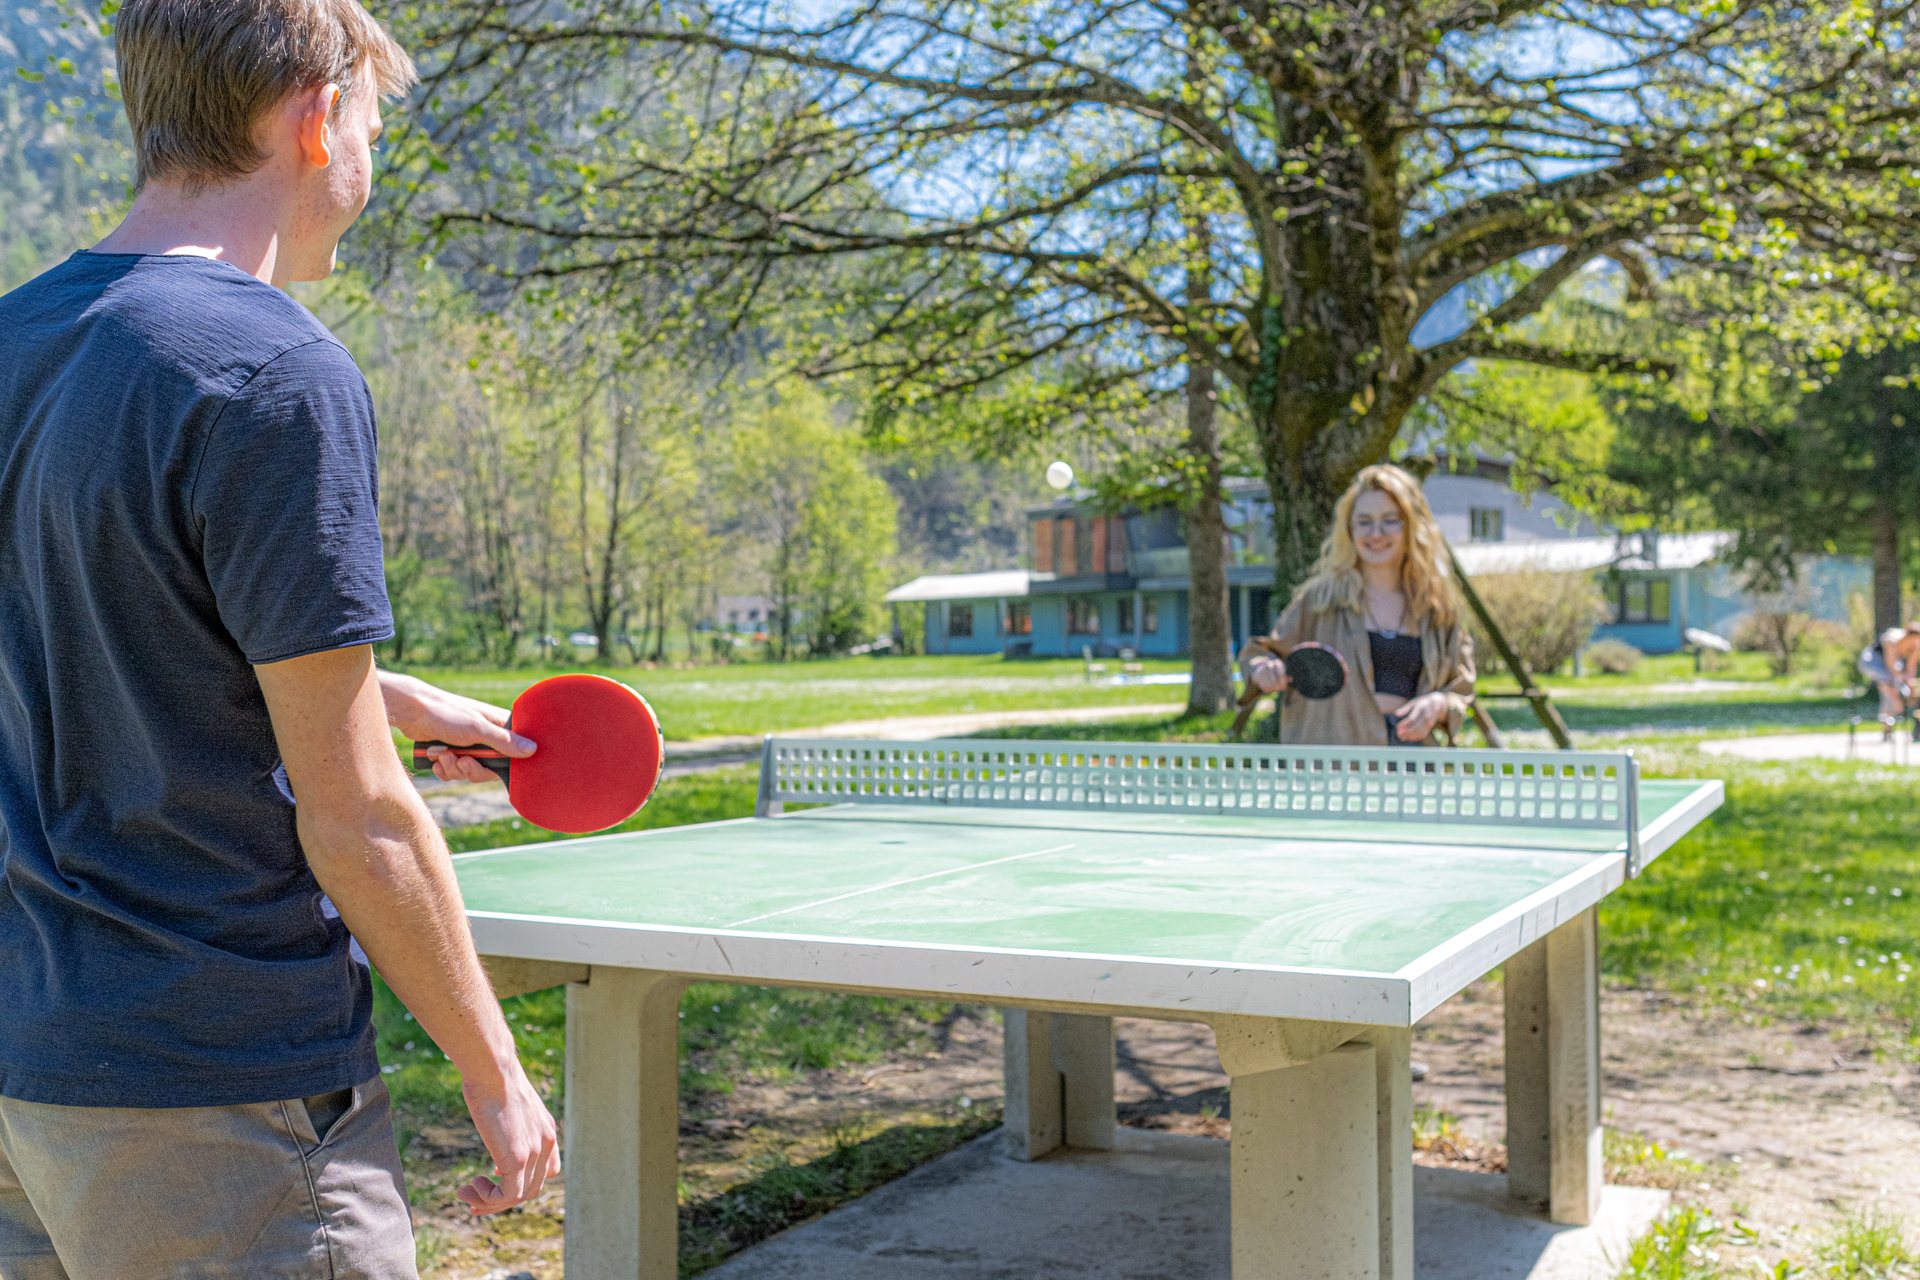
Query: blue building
[[1104, 583], [1660, 587]]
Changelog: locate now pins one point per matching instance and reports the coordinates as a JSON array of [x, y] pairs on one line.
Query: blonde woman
[[1382, 597]]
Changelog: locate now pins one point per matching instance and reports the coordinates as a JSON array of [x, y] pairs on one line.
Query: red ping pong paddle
[[599, 756]]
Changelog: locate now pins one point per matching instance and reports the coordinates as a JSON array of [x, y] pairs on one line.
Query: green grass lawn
[[1798, 901], [1664, 695], [763, 697]]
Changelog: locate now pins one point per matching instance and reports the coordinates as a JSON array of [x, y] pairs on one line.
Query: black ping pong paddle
[[1315, 670], [599, 757]]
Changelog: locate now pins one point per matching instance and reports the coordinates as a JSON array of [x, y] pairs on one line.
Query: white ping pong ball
[[1059, 475]]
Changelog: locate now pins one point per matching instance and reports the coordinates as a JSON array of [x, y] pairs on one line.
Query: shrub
[[1825, 634], [1545, 616], [1831, 652], [1615, 657], [1780, 633]]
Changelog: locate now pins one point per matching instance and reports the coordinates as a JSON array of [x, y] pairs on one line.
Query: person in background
[[1382, 597], [1893, 664], [201, 809]]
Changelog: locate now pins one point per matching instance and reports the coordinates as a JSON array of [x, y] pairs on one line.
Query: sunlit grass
[[765, 697], [1691, 1244], [1634, 1159], [1684, 1245], [1868, 1246], [1800, 900]]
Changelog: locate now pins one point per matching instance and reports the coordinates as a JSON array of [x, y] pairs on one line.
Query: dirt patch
[[1790, 1125], [1783, 1127]]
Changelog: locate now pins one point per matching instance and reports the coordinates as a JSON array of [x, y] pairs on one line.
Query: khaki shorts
[[309, 1188]]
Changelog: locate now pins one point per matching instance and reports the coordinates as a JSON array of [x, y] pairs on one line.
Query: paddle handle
[[488, 756]]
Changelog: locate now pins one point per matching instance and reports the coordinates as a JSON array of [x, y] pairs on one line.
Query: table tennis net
[[1587, 789]]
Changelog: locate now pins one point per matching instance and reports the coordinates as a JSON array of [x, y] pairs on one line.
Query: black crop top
[[1396, 664]]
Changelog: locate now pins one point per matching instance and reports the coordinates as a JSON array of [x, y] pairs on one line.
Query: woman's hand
[[1419, 717], [1268, 673]]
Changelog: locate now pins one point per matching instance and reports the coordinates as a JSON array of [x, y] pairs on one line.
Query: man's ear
[[313, 118]]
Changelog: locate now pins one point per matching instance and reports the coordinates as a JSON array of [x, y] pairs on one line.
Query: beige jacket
[[1351, 718]]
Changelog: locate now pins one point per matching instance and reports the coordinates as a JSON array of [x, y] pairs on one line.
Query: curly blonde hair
[[1424, 577]]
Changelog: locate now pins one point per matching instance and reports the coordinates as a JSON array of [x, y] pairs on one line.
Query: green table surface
[[1362, 897]]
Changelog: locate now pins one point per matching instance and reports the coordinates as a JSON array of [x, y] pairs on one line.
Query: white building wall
[[1525, 517]]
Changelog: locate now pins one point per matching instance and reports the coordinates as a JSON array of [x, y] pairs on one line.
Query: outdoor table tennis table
[[1310, 904]]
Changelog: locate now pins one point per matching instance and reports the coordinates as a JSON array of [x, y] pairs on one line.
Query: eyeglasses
[[1367, 526]]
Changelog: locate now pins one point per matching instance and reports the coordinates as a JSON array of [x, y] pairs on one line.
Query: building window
[[1043, 545], [1125, 621], [1066, 553], [1150, 615], [959, 619], [1083, 618], [1644, 600], [1019, 618], [1486, 524]]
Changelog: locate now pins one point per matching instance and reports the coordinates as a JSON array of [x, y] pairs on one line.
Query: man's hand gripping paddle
[[599, 758], [1314, 670]]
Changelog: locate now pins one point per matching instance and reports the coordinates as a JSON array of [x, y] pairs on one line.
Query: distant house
[[1109, 582], [1660, 586], [743, 615]]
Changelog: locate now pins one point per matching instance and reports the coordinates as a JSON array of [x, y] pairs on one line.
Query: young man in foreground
[[190, 580]]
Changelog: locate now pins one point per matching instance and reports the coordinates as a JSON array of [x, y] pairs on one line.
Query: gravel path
[[1863, 744]]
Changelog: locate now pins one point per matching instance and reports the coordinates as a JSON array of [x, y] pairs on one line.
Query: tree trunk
[[1890, 461], [1210, 627], [659, 650], [1886, 563], [1302, 510]]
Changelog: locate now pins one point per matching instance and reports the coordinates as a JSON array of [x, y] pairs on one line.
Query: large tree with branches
[[1388, 188]]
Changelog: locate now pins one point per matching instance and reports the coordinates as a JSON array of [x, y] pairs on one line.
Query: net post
[[1630, 807], [766, 801]]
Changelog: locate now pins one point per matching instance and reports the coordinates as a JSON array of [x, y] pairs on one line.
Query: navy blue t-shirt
[[187, 488]]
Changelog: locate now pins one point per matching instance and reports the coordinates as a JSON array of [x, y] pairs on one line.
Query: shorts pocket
[[324, 1114]]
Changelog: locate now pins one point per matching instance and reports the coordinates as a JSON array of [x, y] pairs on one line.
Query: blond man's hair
[[1424, 578], [198, 75]]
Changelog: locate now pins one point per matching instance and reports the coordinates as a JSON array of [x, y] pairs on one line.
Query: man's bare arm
[[375, 850]]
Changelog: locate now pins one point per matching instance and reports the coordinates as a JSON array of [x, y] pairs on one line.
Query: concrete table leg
[[1393, 1116], [622, 1125], [1306, 1171], [1033, 1120], [1059, 1069], [1553, 1072]]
